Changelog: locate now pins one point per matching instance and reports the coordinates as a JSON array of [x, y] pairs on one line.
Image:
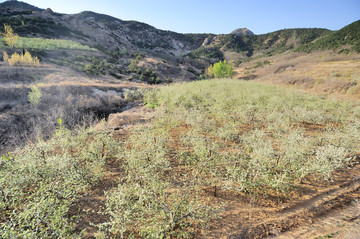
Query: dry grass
[[76, 98], [323, 73]]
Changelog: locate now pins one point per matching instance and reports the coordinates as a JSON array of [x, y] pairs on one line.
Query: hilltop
[[242, 32]]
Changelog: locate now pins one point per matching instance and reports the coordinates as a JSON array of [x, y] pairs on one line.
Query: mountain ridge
[[182, 52], [104, 31]]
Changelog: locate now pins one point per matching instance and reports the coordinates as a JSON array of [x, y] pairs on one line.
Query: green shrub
[[40, 183], [207, 53], [221, 70], [274, 152], [34, 96]]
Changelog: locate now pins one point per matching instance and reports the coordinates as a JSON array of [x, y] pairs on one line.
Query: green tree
[[220, 70]]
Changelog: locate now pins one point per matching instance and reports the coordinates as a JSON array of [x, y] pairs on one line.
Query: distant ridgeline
[[107, 33]]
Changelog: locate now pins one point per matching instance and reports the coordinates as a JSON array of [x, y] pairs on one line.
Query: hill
[[238, 47], [113, 36], [347, 39], [11, 7], [97, 30]]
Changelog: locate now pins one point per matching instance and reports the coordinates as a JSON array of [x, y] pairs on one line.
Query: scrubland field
[[116, 129], [217, 158]]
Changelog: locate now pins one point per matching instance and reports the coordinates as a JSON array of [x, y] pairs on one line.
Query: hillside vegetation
[[257, 45], [122, 41], [347, 37]]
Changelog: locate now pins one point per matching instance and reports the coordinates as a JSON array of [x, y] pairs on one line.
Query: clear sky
[[219, 16]]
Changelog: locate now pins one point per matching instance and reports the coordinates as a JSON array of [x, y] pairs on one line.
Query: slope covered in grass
[[348, 36], [47, 44]]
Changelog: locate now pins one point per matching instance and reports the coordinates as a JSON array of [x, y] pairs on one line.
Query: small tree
[[5, 56], [34, 96], [9, 36], [210, 71], [220, 70]]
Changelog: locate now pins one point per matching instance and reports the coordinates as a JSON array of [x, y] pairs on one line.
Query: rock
[[207, 41]]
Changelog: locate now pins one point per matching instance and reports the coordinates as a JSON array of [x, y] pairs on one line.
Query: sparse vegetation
[[261, 63], [208, 136], [201, 159], [219, 152]]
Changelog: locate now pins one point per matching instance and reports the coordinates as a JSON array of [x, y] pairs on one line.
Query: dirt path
[[318, 210], [340, 223]]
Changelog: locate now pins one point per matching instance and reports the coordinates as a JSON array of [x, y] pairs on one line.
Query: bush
[[272, 157], [40, 183], [206, 52], [220, 70], [24, 59], [34, 96]]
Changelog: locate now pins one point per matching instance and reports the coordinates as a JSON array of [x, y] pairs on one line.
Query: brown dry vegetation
[[67, 94], [326, 72]]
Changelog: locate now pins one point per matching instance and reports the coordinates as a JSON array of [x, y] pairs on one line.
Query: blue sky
[[210, 16]]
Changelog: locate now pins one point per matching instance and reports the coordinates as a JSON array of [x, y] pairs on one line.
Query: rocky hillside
[[237, 47], [97, 30], [165, 50]]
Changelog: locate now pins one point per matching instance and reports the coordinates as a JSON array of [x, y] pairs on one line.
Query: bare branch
[[182, 199], [189, 214]]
